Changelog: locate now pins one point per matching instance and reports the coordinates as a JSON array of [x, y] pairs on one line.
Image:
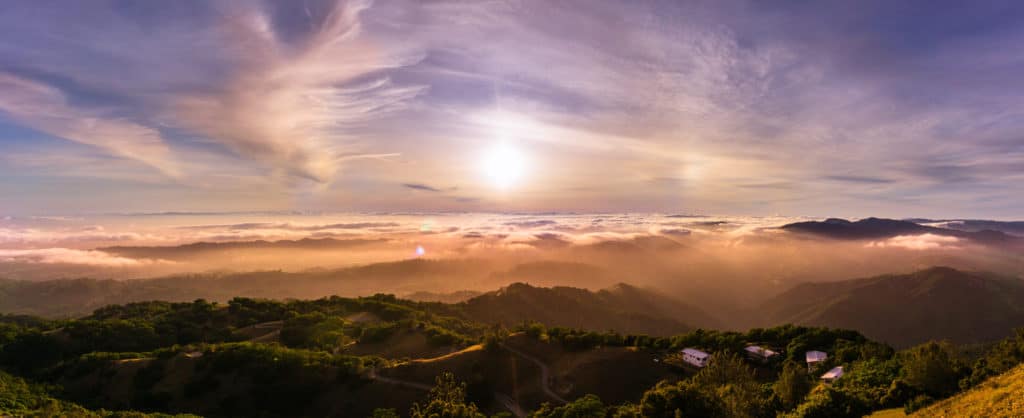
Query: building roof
[[696, 353], [835, 373], [761, 351], [816, 356]]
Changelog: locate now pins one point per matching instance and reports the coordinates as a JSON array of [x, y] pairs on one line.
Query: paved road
[[545, 373]]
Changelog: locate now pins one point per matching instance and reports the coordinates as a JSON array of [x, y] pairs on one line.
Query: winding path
[[545, 373], [505, 400]]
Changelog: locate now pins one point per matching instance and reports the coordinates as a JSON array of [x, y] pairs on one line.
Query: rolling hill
[[931, 304], [623, 308]]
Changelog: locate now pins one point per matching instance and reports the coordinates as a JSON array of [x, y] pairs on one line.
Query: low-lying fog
[[725, 260]]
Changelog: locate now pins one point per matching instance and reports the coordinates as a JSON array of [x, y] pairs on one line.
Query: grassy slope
[[1000, 396]]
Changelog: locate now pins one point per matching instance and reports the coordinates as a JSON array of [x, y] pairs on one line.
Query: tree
[[733, 384], [827, 402], [384, 413], [447, 400], [589, 406], [1000, 358], [793, 385], [933, 368], [683, 399]]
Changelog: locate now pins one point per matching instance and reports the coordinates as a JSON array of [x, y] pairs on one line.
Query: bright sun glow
[[503, 165]]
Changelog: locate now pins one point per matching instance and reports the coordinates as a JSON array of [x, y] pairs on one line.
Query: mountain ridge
[[881, 228], [930, 304]]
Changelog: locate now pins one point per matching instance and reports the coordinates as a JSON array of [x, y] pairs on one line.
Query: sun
[[503, 165]]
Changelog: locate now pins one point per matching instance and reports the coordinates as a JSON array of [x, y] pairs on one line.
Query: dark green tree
[[680, 399], [933, 368], [447, 400], [793, 385]]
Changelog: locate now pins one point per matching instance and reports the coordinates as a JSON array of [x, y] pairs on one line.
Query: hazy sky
[[849, 108]]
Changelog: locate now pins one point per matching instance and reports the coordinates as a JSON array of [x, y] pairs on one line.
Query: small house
[[759, 353], [695, 357], [814, 358], [831, 375]]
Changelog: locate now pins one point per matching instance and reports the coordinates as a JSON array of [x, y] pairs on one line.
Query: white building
[[695, 357], [814, 358], [831, 375], [760, 353]]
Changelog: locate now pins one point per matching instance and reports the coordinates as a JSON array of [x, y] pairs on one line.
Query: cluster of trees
[[19, 398], [876, 376], [793, 341]]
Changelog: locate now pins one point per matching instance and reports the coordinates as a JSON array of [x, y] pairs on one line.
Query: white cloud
[[71, 256], [918, 242], [45, 108], [289, 105]]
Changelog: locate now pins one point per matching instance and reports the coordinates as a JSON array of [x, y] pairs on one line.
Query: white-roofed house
[[814, 358], [695, 357], [760, 353], [831, 375]]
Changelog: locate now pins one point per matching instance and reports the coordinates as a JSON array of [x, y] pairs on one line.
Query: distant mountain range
[[187, 251], [73, 297], [623, 308], [974, 225], [905, 309], [879, 228]]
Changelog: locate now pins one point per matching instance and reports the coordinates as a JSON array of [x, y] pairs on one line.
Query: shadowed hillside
[[623, 308], [937, 303]]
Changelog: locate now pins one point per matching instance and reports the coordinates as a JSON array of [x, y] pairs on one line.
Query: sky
[[867, 108]]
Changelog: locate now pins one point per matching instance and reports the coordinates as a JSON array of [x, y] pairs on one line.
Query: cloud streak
[[290, 104], [72, 256], [45, 108]]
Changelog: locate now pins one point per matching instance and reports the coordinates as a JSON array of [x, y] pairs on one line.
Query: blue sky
[[799, 108]]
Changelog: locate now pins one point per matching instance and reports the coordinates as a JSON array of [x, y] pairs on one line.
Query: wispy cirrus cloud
[[46, 108], [289, 102], [276, 86]]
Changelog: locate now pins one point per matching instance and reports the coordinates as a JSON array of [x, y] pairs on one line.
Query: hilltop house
[[814, 358], [831, 375], [759, 353], [695, 357]]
